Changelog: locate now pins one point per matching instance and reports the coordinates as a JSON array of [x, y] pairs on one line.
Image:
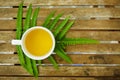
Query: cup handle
[[16, 42]]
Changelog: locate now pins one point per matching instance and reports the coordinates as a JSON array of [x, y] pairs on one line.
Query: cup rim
[[28, 53]]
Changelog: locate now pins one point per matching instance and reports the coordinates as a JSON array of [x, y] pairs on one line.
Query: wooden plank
[[77, 13], [81, 49], [60, 2], [76, 59], [11, 24], [98, 49], [7, 48], [63, 71], [46, 78], [7, 35], [79, 24], [96, 24], [98, 35], [80, 71], [60, 78]]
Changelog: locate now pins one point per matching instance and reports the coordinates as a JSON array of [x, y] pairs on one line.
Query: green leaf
[[60, 52], [28, 18], [52, 60], [27, 26], [40, 62], [64, 31], [47, 20], [19, 22], [35, 69], [21, 56], [34, 17], [45, 24], [53, 23], [33, 23], [60, 26], [29, 65], [19, 34], [74, 41]]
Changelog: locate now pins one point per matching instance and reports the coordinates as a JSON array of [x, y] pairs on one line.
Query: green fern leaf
[[26, 26], [64, 31], [47, 21], [34, 17], [74, 41], [53, 23], [19, 34], [40, 62], [34, 23], [60, 52], [45, 24], [60, 26], [52, 60], [28, 18]]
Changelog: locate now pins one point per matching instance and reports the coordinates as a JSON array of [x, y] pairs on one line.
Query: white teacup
[[28, 36]]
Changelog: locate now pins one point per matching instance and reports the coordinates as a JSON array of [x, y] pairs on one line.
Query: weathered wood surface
[[99, 35], [81, 49], [96, 19], [75, 13], [79, 24], [63, 71], [60, 78], [76, 58], [60, 2]]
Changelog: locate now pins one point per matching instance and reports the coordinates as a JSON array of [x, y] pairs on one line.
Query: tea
[[38, 42]]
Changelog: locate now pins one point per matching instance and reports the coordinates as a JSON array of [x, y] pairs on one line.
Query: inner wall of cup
[[26, 52]]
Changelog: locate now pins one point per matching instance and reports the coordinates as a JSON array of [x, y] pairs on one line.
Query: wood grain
[[77, 13], [101, 29], [7, 48], [7, 35], [98, 35], [60, 78], [79, 24], [63, 71], [60, 2], [76, 59], [98, 49], [81, 49]]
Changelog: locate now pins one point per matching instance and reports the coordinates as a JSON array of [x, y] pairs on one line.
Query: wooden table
[[96, 19]]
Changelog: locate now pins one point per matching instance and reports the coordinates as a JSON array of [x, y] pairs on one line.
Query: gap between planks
[[60, 2], [74, 13], [57, 78], [97, 35], [66, 6], [68, 65], [77, 59], [63, 71], [78, 25]]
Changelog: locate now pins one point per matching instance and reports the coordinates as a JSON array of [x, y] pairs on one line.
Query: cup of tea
[[37, 43]]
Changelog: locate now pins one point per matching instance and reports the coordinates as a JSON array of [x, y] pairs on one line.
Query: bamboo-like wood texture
[[96, 19]]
